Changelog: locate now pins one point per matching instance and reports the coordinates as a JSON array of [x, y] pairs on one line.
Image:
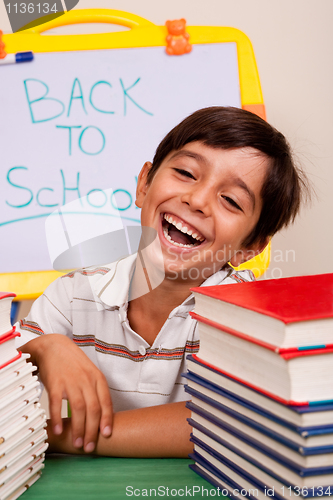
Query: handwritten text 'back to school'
[[77, 139]]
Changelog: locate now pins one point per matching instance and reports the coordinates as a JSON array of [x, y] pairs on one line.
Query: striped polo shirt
[[90, 306]]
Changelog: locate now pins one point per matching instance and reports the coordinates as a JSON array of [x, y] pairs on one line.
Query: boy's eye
[[232, 202], [184, 172]]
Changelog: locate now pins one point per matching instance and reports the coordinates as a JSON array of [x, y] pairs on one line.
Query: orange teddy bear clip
[[2, 47], [177, 39]]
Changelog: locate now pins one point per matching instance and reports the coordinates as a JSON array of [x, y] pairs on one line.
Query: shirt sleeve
[[50, 313]]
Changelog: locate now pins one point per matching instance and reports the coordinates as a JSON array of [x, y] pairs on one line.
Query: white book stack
[[22, 421]]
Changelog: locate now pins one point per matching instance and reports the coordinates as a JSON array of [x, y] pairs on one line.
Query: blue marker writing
[[17, 58]]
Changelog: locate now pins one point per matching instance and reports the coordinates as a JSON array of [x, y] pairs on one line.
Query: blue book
[[230, 482], [222, 486], [242, 450], [247, 474], [227, 408], [225, 486], [306, 418]]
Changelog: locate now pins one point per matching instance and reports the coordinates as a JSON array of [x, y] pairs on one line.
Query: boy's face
[[203, 202]]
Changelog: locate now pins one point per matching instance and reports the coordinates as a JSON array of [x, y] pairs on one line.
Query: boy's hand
[[68, 373]]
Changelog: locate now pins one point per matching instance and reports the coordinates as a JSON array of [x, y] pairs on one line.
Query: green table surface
[[69, 477]]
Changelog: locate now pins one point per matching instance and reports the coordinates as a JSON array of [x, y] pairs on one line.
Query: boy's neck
[[148, 312]]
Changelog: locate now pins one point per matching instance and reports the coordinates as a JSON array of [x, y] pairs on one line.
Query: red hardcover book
[[8, 351], [291, 376], [285, 313]]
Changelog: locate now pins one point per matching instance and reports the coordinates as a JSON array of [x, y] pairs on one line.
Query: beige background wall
[[293, 41]]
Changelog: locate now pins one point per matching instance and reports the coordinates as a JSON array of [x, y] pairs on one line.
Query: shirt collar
[[121, 273], [214, 279]]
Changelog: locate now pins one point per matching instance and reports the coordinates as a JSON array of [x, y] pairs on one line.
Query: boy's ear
[[142, 185], [248, 253]]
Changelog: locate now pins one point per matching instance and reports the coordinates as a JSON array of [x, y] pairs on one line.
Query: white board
[[72, 123]]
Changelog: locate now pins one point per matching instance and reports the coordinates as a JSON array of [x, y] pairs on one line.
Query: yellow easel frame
[[142, 33]]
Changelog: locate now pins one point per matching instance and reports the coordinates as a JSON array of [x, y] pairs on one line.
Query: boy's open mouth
[[179, 234]]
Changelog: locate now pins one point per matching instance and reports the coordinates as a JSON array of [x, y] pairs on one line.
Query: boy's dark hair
[[228, 128]]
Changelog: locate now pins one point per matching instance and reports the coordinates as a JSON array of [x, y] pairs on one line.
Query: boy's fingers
[[55, 403], [68, 373], [93, 417], [106, 406], [78, 409]]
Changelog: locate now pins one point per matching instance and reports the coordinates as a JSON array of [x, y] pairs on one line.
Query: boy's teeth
[[175, 242], [183, 229]]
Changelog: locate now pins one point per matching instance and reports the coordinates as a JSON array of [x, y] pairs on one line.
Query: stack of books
[[22, 421], [262, 388]]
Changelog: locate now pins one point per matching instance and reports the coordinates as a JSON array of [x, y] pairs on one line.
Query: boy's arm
[[68, 373], [156, 431]]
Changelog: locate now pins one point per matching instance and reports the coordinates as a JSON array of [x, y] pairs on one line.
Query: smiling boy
[[221, 184], [186, 192]]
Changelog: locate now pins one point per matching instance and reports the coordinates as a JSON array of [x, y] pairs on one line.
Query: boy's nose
[[199, 200]]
